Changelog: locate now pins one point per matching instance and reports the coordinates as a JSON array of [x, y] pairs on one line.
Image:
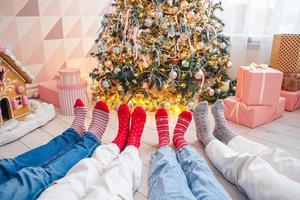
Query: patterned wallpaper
[[46, 35]]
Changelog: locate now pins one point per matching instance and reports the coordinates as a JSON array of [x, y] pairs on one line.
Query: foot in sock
[[162, 125], [79, 117], [138, 120], [221, 131], [99, 120], [124, 123], [204, 134], [183, 123]]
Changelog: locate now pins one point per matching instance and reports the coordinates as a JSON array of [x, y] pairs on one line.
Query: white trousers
[[260, 172], [108, 174]]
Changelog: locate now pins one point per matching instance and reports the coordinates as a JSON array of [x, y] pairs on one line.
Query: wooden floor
[[283, 133]]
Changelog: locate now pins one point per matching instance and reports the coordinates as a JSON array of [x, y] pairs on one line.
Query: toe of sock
[[161, 112], [186, 115], [101, 105], [123, 109], [78, 102], [140, 113], [219, 104]]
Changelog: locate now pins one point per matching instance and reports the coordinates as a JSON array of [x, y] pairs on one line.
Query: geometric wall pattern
[[46, 35]]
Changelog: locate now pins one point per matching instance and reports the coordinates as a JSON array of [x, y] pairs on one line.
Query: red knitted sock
[[183, 122], [99, 119], [124, 122], [79, 117], [137, 126], [162, 126]]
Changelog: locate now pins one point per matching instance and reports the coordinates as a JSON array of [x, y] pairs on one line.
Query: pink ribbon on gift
[[235, 110]]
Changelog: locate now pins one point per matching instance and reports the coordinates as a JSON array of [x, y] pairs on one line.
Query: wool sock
[[162, 125], [138, 120], [221, 131], [204, 134], [99, 120], [183, 122], [79, 117], [124, 123]]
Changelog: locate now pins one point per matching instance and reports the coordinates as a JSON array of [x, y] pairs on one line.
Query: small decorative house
[[13, 96]]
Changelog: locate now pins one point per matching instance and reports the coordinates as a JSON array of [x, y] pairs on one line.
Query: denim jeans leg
[[40, 156], [29, 182], [201, 179], [166, 179]]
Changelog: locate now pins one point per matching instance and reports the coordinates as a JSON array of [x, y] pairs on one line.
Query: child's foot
[[204, 134], [137, 126], [162, 125], [99, 120], [124, 122], [183, 123], [221, 131], [79, 117]]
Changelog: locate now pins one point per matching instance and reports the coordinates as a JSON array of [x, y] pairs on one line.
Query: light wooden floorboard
[[283, 133]]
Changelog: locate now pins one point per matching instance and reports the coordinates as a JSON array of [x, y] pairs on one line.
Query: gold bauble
[[184, 4]]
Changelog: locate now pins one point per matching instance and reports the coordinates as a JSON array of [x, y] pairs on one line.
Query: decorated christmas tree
[[167, 53]]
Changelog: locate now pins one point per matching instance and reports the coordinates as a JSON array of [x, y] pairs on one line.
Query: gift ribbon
[[235, 110], [296, 104]]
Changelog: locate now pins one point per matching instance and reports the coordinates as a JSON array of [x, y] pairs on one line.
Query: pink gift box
[[252, 116], [292, 100], [48, 92], [258, 84]]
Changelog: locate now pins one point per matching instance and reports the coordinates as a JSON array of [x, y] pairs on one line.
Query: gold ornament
[[225, 86]]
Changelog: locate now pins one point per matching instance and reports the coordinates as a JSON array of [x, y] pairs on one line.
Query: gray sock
[[221, 131], [204, 134]]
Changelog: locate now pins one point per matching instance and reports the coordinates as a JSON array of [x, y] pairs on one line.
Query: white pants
[[106, 175], [260, 172]]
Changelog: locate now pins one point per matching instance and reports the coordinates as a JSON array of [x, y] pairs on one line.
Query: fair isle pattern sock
[[79, 117], [99, 120], [124, 123], [221, 131], [137, 126], [204, 134], [183, 122], [162, 125]]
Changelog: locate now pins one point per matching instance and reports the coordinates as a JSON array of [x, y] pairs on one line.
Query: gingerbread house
[[13, 78]]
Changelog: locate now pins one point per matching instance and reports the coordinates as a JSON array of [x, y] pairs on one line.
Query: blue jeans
[[26, 176], [185, 176]]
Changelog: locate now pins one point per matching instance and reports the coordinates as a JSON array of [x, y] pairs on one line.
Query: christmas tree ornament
[[191, 105], [167, 105], [116, 50], [200, 45], [223, 45], [170, 2], [234, 88], [191, 14], [219, 91], [184, 4], [173, 75], [225, 86], [108, 64], [211, 92], [148, 22], [158, 15], [145, 85], [185, 63], [199, 74], [120, 88], [183, 85], [105, 84], [117, 70], [229, 65]]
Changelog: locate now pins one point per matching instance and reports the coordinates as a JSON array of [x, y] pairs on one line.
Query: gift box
[[292, 100], [291, 82], [258, 84], [48, 92], [69, 76], [285, 55], [236, 110]]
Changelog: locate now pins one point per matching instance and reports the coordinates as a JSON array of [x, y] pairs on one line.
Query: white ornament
[[190, 105], [219, 90], [170, 2], [185, 63], [229, 65], [148, 22], [225, 86], [191, 14], [173, 75], [201, 45], [116, 50], [223, 45], [105, 84], [234, 88], [199, 75], [158, 15], [211, 92], [117, 70], [167, 105]]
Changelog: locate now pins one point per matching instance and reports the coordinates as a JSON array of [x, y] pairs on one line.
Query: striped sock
[[80, 114], [162, 125], [124, 123], [99, 120], [183, 122], [137, 126]]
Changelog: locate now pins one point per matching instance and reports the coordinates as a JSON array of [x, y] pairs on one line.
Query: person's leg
[[251, 174], [280, 160], [29, 182], [84, 175], [45, 154], [166, 179]]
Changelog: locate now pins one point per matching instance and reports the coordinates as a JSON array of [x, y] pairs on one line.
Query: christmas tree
[[167, 53]]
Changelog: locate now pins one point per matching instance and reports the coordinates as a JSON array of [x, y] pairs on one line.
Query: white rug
[[41, 114]]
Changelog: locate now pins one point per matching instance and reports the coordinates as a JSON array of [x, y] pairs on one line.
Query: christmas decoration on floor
[[162, 53]]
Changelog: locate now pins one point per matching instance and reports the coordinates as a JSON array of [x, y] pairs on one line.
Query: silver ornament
[[170, 2], [223, 45], [173, 75], [229, 65], [190, 105], [148, 22], [199, 75], [211, 92], [116, 50], [201, 45], [191, 14], [185, 63], [167, 105], [105, 84], [158, 15], [117, 70]]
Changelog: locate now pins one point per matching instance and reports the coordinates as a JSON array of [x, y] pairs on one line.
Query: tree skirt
[[40, 114]]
